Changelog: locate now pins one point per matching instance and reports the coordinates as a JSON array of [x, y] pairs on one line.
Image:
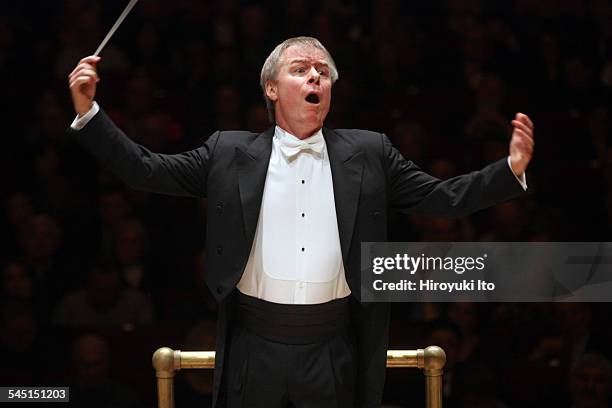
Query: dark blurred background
[[95, 276]]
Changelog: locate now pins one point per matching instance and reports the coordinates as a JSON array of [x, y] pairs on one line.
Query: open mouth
[[312, 98]]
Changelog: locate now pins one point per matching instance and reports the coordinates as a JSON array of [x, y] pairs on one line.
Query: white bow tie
[[291, 146]]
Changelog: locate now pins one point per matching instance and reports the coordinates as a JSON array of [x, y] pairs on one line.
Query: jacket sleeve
[[182, 174], [413, 191]]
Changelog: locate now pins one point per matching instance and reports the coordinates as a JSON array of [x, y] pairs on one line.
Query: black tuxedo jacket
[[370, 177]]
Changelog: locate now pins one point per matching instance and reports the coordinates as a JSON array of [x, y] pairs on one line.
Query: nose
[[314, 77]]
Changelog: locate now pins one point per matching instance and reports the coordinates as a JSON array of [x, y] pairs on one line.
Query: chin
[[316, 125], [313, 120]]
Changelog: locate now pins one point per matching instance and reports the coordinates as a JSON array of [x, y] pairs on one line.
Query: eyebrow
[[298, 60]]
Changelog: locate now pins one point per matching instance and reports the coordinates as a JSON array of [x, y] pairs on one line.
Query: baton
[[115, 26]]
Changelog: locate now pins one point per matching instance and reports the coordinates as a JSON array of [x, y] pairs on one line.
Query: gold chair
[[167, 362]]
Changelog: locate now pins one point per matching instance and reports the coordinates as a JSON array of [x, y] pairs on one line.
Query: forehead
[[303, 52]]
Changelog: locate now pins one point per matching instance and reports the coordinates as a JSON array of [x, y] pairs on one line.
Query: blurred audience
[[574, 336], [590, 382], [467, 317], [106, 302], [91, 384], [442, 79], [23, 352]]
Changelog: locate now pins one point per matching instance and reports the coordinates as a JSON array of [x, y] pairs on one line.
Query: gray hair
[[269, 71]]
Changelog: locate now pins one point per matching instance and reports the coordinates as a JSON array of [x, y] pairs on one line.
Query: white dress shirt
[[79, 123], [296, 256]]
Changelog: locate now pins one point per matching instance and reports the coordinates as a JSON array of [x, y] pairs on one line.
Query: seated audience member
[[466, 316], [104, 302], [18, 207], [130, 248], [40, 238], [590, 382], [478, 386], [22, 352], [574, 337], [114, 210], [17, 284], [18, 288], [91, 385]]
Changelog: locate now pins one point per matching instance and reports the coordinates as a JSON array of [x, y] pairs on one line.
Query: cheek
[[289, 88], [327, 93], [327, 101], [288, 96]]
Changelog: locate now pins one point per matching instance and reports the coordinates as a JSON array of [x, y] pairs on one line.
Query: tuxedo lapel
[[346, 162], [252, 170]]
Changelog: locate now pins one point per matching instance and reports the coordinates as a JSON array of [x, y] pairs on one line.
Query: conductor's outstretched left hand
[[521, 144]]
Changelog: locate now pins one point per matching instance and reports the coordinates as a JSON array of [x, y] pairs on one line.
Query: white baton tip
[[115, 26]]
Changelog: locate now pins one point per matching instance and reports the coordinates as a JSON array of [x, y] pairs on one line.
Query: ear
[[271, 91]]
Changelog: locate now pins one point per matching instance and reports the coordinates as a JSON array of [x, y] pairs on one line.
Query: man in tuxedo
[[287, 211]]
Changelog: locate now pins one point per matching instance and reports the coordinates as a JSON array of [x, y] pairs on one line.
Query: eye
[[300, 69], [324, 72]]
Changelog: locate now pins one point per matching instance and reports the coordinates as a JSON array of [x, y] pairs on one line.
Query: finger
[[524, 148], [82, 80], [86, 72], [523, 137], [525, 119], [523, 127], [77, 83], [92, 59], [79, 66], [82, 66]]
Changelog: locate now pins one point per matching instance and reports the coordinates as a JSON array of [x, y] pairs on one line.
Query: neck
[[301, 132]]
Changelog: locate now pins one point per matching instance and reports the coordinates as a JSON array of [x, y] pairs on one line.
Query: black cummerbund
[[293, 324]]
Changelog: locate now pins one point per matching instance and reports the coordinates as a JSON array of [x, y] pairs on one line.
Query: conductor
[[287, 211]]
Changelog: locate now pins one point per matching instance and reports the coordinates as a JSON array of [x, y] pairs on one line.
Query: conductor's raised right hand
[[83, 80]]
